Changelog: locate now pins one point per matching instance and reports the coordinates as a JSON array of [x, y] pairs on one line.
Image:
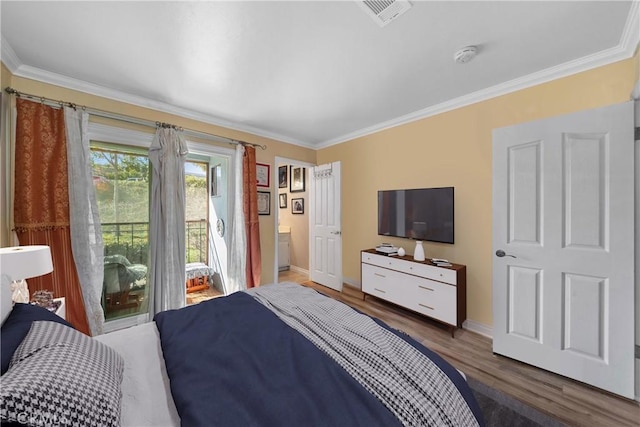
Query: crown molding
[[8, 55], [38, 74], [544, 76], [631, 32], [625, 49]]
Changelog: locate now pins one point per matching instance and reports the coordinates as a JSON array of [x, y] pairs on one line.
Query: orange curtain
[[252, 225], [41, 208]]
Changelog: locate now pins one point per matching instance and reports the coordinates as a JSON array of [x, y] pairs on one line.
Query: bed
[[277, 355]]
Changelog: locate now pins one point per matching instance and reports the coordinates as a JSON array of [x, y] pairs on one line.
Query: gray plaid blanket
[[407, 382]]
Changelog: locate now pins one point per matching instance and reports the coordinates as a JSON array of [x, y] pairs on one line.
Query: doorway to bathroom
[[292, 220]]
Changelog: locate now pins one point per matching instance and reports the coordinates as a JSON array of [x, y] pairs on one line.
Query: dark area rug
[[501, 410]]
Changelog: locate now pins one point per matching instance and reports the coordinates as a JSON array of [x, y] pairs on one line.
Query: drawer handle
[[426, 306], [380, 290], [424, 287], [379, 275]]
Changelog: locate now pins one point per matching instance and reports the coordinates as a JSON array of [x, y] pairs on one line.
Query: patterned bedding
[[285, 355]]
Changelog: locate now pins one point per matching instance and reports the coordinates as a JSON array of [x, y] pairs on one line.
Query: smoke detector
[[384, 11], [465, 54]]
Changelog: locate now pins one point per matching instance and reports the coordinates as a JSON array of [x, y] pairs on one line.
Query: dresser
[[437, 292]]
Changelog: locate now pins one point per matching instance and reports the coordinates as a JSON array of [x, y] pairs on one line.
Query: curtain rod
[[128, 119]]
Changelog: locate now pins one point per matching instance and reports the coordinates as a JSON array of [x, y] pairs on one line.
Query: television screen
[[419, 214]]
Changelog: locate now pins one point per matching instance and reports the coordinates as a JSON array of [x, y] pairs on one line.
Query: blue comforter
[[232, 362]]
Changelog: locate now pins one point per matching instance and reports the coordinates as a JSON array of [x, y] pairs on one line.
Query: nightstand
[[62, 310]]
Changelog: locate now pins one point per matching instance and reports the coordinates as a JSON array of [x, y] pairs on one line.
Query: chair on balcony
[[198, 275], [120, 277]]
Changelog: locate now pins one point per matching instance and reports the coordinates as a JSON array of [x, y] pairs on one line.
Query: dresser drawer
[[421, 270], [436, 292], [373, 259], [435, 299], [383, 283]]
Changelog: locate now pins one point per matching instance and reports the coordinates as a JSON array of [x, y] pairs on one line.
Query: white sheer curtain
[[86, 232], [167, 223], [238, 243]]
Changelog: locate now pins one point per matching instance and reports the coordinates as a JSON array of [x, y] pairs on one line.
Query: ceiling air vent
[[385, 11]]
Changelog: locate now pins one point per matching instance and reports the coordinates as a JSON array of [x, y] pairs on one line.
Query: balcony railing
[[131, 239], [196, 239]]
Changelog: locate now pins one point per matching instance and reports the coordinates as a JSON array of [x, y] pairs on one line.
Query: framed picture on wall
[[296, 179], [297, 206], [264, 203], [262, 175], [283, 200], [283, 182]]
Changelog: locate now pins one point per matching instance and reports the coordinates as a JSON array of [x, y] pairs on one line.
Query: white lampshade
[[23, 262]]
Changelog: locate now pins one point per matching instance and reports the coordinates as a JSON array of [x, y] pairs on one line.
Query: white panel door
[[563, 238], [325, 236]]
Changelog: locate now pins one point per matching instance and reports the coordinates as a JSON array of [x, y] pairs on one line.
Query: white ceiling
[[312, 73]]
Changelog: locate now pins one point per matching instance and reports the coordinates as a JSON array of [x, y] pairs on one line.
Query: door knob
[[500, 253]]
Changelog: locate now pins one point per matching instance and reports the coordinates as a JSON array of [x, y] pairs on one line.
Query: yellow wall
[[274, 148], [636, 64], [454, 149]]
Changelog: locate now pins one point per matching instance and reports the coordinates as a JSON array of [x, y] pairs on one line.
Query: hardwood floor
[[203, 295], [212, 292], [569, 401], [292, 276]]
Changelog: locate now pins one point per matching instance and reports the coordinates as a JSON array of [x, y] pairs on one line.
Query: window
[[196, 211], [121, 181], [121, 170]]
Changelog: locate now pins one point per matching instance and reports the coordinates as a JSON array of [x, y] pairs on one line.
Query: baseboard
[[478, 328], [470, 325], [298, 270], [637, 380], [351, 282]]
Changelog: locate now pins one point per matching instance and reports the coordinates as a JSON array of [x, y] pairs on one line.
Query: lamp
[[24, 262]]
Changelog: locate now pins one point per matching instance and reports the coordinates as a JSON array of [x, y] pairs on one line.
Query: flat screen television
[[418, 214]]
